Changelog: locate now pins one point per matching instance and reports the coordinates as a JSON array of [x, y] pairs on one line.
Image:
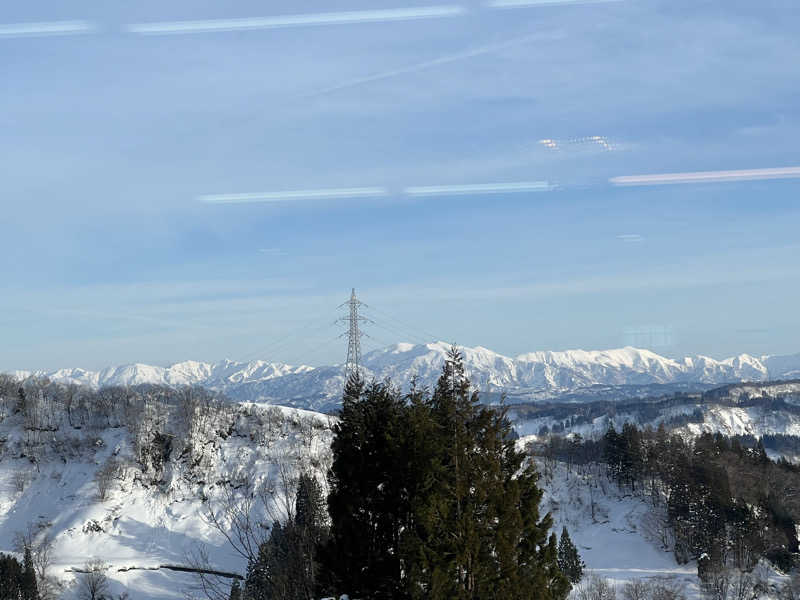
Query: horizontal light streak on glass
[[300, 20], [479, 188], [707, 176], [283, 196]]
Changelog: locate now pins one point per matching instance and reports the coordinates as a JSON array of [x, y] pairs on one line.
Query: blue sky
[[111, 138]]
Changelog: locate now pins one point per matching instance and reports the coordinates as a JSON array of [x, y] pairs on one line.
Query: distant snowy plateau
[[571, 375]]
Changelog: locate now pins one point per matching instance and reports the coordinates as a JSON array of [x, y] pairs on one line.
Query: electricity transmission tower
[[353, 333]]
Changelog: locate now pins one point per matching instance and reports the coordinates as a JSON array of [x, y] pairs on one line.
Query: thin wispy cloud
[[436, 62], [707, 176], [300, 20], [290, 195], [51, 28]]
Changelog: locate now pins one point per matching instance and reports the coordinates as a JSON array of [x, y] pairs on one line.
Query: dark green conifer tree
[[11, 578], [479, 533], [612, 452], [28, 588], [236, 590], [287, 567], [569, 561], [368, 500], [430, 498]]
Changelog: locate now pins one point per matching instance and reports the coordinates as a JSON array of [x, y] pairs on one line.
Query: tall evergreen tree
[[612, 452], [569, 561], [236, 590], [368, 501], [11, 578], [430, 498], [477, 530], [287, 565], [28, 588]]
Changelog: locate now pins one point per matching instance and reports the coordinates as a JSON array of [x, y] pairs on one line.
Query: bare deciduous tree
[[729, 583], [208, 584], [104, 477], [596, 588], [40, 545], [93, 583], [659, 589], [20, 480], [655, 524]]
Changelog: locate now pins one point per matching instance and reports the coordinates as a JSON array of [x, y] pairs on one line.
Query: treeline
[[779, 443], [563, 416], [428, 498], [64, 421], [717, 500]]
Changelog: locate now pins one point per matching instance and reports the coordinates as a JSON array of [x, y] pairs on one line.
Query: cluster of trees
[[597, 588], [428, 498], [563, 417], [734, 586], [17, 581], [288, 564], [64, 421], [779, 443], [714, 499], [52, 415]]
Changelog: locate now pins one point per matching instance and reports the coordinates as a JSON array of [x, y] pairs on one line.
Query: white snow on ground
[[613, 544], [142, 525], [717, 418], [754, 420], [610, 528]]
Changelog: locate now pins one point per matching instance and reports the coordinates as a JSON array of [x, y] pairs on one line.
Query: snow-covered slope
[[144, 526], [530, 376], [745, 409], [155, 517], [147, 522], [609, 528]]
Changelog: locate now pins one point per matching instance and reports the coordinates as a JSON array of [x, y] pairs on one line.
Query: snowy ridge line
[[528, 377]]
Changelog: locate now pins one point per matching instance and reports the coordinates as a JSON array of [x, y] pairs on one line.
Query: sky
[[206, 180]]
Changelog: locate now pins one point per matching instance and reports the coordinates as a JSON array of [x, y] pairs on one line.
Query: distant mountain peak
[[539, 374]]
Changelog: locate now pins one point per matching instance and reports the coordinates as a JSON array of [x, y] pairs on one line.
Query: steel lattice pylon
[[353, 333]]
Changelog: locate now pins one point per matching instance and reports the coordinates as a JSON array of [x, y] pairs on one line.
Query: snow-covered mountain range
[[531, 376]]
